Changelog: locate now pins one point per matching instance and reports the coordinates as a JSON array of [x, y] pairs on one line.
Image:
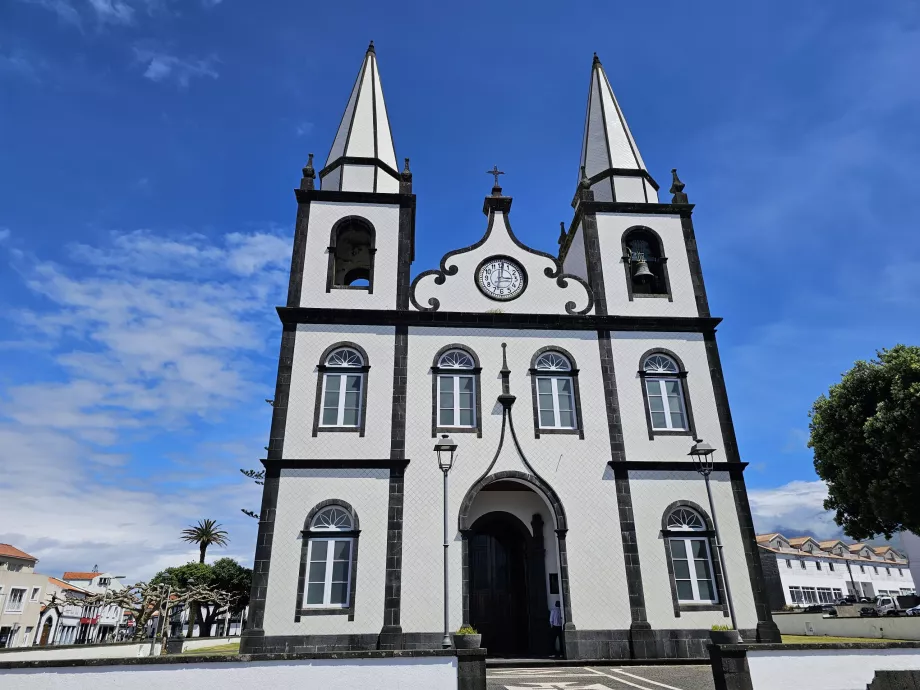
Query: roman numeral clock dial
[[501, 278]]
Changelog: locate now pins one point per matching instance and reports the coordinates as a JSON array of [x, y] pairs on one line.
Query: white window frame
[[342, 372], [34, 594], [557, 408], [659, 383], [694, 578], [691, 524], [331, 540], [9, 600], [453, 379]]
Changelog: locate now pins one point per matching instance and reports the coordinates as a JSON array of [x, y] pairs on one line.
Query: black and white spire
[[609, 156], [363, 158]]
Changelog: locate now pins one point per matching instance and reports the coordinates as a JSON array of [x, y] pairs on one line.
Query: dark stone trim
[[730, 670], [662, 258], [255, 631], [564, 322], [321, 369], [672, 465], [476, 372], [723, 410], [405, 243], [383, 199], [298, 254], [305, 536], [685, 393], [503, 204], [359, 160], [579, 429], [333, 242], [568, 642], [339, 464], [282, 392], [594, 207], [549, 495], [714, 558], [767, 631], [391, 635], [696, 269], [594, 263]]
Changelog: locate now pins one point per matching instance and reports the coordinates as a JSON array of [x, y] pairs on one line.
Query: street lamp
[[445, 448], [702, 453]]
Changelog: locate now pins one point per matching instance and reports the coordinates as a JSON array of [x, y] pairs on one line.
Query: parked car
[[913, 611], [868, 612], [827, 609]]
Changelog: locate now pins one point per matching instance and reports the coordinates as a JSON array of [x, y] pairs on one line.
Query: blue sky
[[148, 152]]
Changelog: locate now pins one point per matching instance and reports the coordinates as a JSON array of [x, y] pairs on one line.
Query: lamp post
[[445, 448], [702, 453]]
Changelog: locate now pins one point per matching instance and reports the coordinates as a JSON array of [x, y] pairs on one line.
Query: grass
[[827, 639], [231, 648]]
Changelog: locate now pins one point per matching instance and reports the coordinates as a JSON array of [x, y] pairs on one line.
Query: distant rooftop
[[12, 552]]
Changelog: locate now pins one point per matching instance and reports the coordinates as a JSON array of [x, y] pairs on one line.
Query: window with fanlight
[[555, 390], [342, 394], [329, 559], [667, 406], [456, 390], [690, 557]]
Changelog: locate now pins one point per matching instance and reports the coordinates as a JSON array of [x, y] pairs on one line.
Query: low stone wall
[[883, 627], [117, 650], [381, 670], [844, 666]]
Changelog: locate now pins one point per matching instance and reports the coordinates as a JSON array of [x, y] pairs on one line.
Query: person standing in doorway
[[555, 624]]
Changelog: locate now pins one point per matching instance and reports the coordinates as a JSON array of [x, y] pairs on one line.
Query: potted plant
[[467, 638], [724, 634]]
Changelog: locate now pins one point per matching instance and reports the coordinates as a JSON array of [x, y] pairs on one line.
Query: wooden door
[[498, 593]]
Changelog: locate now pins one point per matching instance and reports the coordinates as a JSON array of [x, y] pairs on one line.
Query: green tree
[[224, 579], [866, 438], [205, 533]]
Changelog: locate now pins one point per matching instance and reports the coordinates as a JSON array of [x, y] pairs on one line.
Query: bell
[[642, 271]]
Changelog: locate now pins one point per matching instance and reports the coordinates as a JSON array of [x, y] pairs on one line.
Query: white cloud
[[64, 9], [147, 343], [161, 66], [4, 234], [794, 509], [303, 128], [113, 11]]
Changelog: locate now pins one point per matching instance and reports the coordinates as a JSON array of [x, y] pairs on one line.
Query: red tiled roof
[[13, 552], [76, 575], [764, 538], [66, 585]]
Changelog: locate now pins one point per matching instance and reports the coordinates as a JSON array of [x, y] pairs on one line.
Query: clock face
[[501, 278]]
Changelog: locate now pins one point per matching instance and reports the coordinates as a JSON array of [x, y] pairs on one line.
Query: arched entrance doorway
[[46, 631], [498, 584]]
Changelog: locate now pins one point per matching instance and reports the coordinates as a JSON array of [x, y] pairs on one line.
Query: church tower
[[574, 384]]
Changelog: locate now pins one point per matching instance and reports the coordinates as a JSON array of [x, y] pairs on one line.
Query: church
[[573, 384]]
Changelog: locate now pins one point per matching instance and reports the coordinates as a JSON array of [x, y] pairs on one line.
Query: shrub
[[467, 630], [722, 627]]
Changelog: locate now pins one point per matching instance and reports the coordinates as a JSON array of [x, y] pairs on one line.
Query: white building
[[574, 384], [802, 571], [99, 622], [60, 622], [21, 597]]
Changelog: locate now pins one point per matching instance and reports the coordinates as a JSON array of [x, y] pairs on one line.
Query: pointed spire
[[363, 134], [677, 189], [609, 145]]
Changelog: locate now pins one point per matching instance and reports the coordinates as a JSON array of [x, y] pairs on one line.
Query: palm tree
[[205, 533]]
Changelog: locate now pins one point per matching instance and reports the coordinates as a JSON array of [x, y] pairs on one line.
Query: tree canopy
[[205, 533], [866, 438]]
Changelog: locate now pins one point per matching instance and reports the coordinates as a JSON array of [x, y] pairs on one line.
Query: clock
[[501, 278]]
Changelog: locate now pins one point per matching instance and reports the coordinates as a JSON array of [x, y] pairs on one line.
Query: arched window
[[351, 255], [646, 264], [341, 389], [690, 557], [555, 390], [456, 390], [663, 386], [329, 560]]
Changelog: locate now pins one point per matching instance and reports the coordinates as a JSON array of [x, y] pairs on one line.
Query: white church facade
[[573, 384]]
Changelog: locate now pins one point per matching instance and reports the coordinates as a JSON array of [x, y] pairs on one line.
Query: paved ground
[[602, 678]]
